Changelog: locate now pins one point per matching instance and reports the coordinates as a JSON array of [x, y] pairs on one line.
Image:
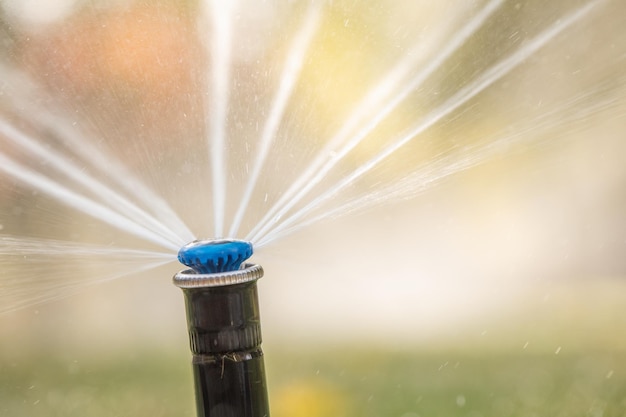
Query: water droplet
[[557, 350], [460, 400], [73, 368]]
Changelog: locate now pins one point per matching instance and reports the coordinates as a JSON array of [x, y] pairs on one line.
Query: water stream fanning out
[[126, 132]]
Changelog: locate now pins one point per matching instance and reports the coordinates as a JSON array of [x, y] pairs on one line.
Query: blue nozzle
[[211, 256]]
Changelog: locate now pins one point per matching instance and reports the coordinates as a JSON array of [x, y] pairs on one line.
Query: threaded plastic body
[[223, 319], [225, 339]]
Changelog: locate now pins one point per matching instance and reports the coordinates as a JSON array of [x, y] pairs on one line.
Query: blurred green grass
[[148, 385], [343, 382]]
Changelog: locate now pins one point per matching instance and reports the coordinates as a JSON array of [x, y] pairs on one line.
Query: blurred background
[[477, 271]]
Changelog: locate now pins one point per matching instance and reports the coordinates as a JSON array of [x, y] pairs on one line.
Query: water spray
[[224, 328]]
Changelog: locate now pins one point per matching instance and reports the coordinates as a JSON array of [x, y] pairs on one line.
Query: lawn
[[341, 383]]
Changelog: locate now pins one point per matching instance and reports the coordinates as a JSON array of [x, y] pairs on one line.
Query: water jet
[[224, 328]]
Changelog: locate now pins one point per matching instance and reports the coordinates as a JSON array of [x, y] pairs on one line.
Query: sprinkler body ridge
[[224, 328]]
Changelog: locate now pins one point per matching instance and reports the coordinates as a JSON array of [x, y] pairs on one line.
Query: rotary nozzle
[[215, 255]]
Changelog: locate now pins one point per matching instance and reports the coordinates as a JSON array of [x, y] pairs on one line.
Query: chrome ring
[[191, 279]]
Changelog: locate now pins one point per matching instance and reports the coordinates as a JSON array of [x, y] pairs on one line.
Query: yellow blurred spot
[[308, 399]]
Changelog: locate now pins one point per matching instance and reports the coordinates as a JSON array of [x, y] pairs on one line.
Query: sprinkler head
[[224, 324], [215, 255]]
